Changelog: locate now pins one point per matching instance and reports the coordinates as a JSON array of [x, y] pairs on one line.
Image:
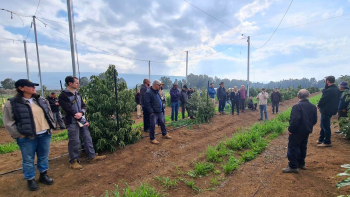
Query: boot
[[167, 136], [75, 165], [154, 142], [45, 179], [98, 158], [290, 170], [32, 186], [303, 167]]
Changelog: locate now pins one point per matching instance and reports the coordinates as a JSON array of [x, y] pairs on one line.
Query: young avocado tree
[[105, 131], [199, 107]]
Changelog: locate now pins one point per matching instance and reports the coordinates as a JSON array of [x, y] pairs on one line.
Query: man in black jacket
[[222, 96], [154, 106], [55, 108], [302, 120], [77, 126], [275, 99], [143, 90], [184, 99], [328, 106]]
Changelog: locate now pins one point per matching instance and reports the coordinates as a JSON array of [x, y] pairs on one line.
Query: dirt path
[[141, 162]]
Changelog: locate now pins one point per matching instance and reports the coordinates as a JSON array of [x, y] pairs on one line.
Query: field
[[180, 167]]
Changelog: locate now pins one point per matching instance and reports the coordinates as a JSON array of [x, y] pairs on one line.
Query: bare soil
[[142, 161]]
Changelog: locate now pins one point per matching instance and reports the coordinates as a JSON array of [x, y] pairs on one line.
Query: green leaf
[[343, 183], [345, 166], [343, 174]]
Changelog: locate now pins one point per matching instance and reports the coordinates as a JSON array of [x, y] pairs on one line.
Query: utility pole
[[25, 53], [186, 66], [38, 58], [248, 66], [149, 70], [71, 36]]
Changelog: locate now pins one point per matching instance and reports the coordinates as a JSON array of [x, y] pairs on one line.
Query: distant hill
[[52, 79]]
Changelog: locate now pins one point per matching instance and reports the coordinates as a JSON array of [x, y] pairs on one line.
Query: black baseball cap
[[25, 82]]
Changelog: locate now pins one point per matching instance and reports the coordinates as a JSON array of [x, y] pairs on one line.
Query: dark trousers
[[242, 104], [275, 104], [146, 119], [222, 104], [156, 117], [325, 133], [58, 119], [183, 109], [297, 148], [252, 106], [235, 103]]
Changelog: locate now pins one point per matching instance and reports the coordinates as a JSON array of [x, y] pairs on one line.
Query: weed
[[142, 191], [216, 172], [167, 182], [232, 164], [192, 185], [201, 169], [8, 147], [214, 182]]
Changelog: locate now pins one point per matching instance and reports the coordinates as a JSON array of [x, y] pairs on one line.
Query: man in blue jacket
[[174, 99], [302, 120], [212, 92], [328, 106], [154, 107], [343, 104]]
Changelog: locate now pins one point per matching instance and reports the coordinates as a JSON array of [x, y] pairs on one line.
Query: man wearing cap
[[212, 92], [175, 95], [222, 95], [184, 99], [344, 103], [263, 97], [275, 99], [55, 107], [328, 106], [143, 90], [153, 105]]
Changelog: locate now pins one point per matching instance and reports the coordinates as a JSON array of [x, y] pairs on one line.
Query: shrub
[[106, 133], [232, 164], [200, 108]]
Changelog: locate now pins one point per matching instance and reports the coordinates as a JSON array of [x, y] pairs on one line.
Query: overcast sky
[[162, 30]]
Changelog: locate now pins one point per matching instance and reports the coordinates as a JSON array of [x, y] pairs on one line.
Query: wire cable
[[14, 14], [37, 7], [277, 26]]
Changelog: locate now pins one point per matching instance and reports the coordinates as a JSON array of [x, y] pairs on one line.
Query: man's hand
[[57, 104], [22, 136], [86, 124], [78, 115], [290, 133], [151, 114], [219, 99], [317, 106]]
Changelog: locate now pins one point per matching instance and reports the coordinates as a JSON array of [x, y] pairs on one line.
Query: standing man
[[212, 92], [302, 120], [138, 104], [275, 99], [183, 99], [328, 106], [77, 126], [243, 95], [153, 104], [143, 90], [263, 97], [343, 104], [174, 98], [55, 107], [222, 95]]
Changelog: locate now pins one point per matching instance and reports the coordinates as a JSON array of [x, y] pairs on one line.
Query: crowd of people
[[30, 118]]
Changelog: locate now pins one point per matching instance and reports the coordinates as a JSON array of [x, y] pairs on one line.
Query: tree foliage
[[167, 82], [101, 112], [200, 108], [84, 81], [8, 83]]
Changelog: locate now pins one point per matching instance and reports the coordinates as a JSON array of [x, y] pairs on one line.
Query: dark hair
[[53, 93], [211, 83], [145, 80], [330, 78], [69, 79]]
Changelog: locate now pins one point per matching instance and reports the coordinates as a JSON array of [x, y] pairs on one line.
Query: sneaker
[[154, 142], [98, 158], [167, 136], [337, 131], [75, 165], [319, 142], [303, 167], [324, 145], [290, 170]]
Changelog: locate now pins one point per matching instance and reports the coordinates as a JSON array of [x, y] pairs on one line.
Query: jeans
[[275, 104], [39, 145], [235, 103], [174, 110], [242, 104], [263, 108], [58, 119], [325, 133], [222, 103], [75, 133], [153, 119], [146, 119], [297, 148]]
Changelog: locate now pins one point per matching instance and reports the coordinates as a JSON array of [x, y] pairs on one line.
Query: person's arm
[[142, 94], [257, 97], [315, 116], [266, 95], [295, 118], [9, 121], [65, 103], [326, 96], [147, 103]]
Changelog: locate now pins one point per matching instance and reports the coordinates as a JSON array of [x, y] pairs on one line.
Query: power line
[[37, 7], [210, 15], [277, 26]]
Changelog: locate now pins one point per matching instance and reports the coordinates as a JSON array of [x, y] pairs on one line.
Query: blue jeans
[[174, 110], [263, 108], [325, 133], [39, 145], [154, 118], [222, 104]]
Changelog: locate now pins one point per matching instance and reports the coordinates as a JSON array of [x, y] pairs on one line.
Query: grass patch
[[60, 136], [144, 190], [192, 185], [201, 169], [232, 164], [167, 182], [215, 154]]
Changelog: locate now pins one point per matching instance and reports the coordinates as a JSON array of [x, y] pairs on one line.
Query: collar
[[28, 100]]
